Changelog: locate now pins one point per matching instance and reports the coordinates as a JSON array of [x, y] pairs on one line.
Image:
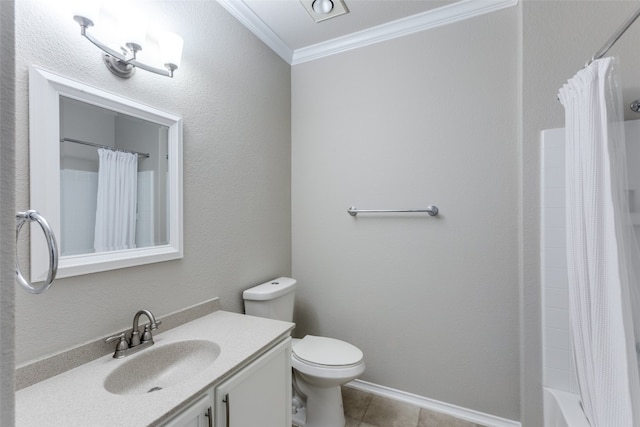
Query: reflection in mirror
[[106, 171], [84, 129]]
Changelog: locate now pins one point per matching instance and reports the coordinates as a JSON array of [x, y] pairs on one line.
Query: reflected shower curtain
[[117, 199], [602, 255]]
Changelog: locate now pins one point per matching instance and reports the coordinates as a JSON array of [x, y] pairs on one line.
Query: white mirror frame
[[45, 89]]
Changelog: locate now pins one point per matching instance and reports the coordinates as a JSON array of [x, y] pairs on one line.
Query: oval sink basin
[[158, 368]]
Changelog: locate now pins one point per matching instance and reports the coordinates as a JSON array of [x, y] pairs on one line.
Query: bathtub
[[562, 409]]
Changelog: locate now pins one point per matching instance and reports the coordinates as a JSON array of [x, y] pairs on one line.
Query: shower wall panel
[[558, 362]]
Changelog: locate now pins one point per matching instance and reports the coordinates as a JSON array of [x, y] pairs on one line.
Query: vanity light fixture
[[321, 10], [122, 61]]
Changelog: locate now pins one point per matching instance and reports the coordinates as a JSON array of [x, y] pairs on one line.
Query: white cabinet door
[[260, 394], [198, 414]]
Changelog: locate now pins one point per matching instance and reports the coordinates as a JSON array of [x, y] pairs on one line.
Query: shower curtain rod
[[614, 38], [93, 144]]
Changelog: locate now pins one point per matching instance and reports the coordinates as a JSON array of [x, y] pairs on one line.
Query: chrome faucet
[[136, 343], [146, 335]]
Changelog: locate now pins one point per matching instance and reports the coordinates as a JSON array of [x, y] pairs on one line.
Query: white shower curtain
[[117, 199], [602, 255]]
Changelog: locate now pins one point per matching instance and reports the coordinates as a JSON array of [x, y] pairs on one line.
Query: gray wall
[[234, 96], [558, 38], [428, 118], [446, 310]]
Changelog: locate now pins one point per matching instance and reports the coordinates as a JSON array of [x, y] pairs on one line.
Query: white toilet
[[320, 365]]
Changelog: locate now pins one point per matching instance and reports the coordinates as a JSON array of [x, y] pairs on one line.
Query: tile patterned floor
[[367, 410]]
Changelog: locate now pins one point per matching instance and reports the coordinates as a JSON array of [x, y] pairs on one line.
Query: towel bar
[[431, 210]]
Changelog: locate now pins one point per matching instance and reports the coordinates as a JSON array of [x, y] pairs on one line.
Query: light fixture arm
[[125, 60]]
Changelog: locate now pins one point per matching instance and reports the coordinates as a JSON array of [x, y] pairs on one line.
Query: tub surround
[[49, 366], [562, 409], [78, 397], [561, 394]]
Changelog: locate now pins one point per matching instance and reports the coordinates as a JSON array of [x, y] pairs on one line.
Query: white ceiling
[[295, 27], [287, 27]]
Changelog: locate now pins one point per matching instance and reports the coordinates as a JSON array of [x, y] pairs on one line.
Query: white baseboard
[[433, 405]]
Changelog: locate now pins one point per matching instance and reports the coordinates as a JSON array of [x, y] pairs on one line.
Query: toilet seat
[[327, 362], [324, 352]]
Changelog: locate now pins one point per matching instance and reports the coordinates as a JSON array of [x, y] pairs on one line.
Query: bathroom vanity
[[255, 396], [223, 369]]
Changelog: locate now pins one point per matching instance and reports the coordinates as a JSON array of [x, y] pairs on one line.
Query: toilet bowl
[[320, 364]]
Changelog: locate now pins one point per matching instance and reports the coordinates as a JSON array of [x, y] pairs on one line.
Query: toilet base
[[299, 418], [323, 407]]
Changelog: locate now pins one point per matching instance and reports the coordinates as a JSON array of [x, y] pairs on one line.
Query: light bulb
[[133, 25], [322, 6], [170, 49], [86, 12], [123, 25]]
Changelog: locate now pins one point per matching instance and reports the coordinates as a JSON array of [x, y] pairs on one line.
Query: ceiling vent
[[321, 10]]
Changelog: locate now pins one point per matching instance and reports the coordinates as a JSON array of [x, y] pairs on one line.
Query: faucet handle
[[121, 346], [115, 337], [152, 326], [146, 335]]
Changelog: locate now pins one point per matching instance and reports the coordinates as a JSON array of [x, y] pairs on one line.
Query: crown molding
[[454, 12], [245, 15], [412, 24]]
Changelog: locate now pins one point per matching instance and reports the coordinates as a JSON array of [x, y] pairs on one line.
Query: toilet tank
[[273, 299]]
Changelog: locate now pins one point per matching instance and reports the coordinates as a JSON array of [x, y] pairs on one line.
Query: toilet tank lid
[[271, 289]]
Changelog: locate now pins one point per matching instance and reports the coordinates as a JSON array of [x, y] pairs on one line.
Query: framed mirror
[[106, 171]]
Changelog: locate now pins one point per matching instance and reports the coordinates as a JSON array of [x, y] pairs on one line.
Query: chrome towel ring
[[29, 216]]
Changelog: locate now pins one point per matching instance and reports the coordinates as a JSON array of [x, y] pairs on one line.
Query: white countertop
[[78, 397]]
